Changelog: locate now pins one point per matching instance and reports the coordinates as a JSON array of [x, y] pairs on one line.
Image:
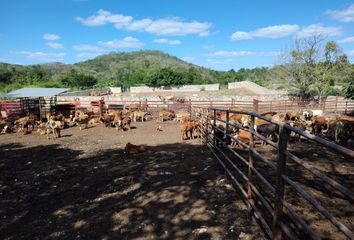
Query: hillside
[[115, 69], [155, 68]]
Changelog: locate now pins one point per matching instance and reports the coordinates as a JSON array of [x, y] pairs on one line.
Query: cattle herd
[[336, 127]]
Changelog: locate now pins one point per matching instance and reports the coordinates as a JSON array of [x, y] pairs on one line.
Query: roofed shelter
[[36, 100]]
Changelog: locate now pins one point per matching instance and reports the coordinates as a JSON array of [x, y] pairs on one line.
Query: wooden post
[[346, 106], [250, 165], [335, 111], [232, 102], [255, 105], [281, 164]]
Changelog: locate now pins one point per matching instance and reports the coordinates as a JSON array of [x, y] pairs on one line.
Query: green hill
[[115, 69]]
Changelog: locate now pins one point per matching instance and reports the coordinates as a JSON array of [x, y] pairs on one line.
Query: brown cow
[[166, 115], [188, 127], [132, 149], [319, 125]]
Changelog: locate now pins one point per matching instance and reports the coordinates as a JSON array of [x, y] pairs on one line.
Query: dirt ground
[[85, 186]]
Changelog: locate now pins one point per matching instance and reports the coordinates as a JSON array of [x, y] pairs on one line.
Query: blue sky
[[221, 34]]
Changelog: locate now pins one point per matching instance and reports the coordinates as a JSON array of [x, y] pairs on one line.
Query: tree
[[349, 90], [314, 68], [77, 79], [5, 76]]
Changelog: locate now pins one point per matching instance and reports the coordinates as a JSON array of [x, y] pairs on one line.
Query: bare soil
[[85, 186]]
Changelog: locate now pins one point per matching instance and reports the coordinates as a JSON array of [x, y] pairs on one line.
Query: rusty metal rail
[[269, 204]]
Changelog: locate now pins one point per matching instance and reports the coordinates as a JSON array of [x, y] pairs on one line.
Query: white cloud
[[278, 31], [51, 37], [350, 53], [174, 27], [244, 54], [207, 46], [227, 61], [163, 26], [103, 17], [188, 59], [138, 25], [345, 15], [55, 45], [236, 36], [319, 29], [42, 56], [88, 48], [127, 42], [166, 41], [87, 55], [346, 40], [273, 32]]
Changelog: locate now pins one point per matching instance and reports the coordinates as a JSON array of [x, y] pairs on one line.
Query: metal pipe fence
[[265, 191]]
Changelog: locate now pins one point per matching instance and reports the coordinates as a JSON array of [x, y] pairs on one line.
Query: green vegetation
[[309, 69]]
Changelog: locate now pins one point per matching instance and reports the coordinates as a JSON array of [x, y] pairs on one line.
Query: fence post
[[346, 106], [227, 127], [232, 102], [214, 129], [206, 131], [250, 166], [281, 163], [255, 105], [190, 106], [335, 111], [323, 104]]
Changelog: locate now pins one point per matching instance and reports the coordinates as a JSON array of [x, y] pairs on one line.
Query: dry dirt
[[85, 186]]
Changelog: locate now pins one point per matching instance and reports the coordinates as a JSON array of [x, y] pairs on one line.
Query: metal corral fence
[[45, 104], [265, 184], [330, 105]]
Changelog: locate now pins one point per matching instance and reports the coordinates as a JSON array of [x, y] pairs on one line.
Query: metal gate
[[264, 184]]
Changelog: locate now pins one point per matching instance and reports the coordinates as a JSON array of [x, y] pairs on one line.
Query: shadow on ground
[[174, 191]]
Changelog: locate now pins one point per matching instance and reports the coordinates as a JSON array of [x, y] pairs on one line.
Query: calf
[[132, 149], [125, 124], [307, 115], [319, 125], [117, 120], [293, 115], [54, 127], [268, 131], [24, 123], [106, 119], [188, 127], [81, 119], [136, 115], [242, 136], [166, 115], [183, 117]]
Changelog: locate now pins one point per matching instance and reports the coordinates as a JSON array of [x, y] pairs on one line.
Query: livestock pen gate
[[290, 196]]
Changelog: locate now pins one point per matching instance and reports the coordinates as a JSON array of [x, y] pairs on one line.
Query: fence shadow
[[172, 191]]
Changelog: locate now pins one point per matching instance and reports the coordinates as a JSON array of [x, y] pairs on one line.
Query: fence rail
[[270, 200], [336, 104]]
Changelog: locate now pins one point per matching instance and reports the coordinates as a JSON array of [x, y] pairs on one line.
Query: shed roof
[[34, 92]]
